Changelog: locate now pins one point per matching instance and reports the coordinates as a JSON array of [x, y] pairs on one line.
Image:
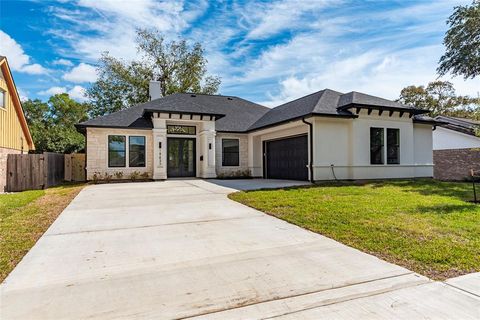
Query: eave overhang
[[355, 107], [185, 115]]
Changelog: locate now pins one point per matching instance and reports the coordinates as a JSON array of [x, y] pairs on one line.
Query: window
[[136, 151], [377, 146], [393, 146], [230, 152], [3, 99], [116, 151], [175, 129]]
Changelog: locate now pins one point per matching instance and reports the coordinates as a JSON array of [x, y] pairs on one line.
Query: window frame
[[3, 98], [382, 146], [385, 161], [388, 146], [144, 151], [223, 152], [124, 151]]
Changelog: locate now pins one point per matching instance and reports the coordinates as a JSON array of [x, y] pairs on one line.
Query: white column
[[207, 150], [159, 149]]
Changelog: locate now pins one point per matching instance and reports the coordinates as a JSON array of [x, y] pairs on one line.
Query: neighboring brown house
[[15, 137], [456, 148]]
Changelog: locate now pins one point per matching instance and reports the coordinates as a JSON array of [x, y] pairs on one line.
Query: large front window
[[376, 146], [230, 152], [116, 151], [136, 151]]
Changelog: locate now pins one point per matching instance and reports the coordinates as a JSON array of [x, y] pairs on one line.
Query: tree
[[52, 123], [462, 42], [440, 98], [176, 65]]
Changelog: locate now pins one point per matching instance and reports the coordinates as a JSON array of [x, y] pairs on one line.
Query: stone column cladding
[[4, 152], [207, 150], [159, 149], [455, 164]]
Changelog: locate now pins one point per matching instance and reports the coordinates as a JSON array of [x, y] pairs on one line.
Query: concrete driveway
[[180, 249]]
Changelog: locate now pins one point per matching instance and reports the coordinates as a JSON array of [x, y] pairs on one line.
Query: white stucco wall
[[448, 139], [345, 144]]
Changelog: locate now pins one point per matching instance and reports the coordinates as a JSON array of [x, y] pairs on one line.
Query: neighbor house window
[[3, 99], [377, 146], [393, 146], [230, 152], [116, 151], [136, 151]]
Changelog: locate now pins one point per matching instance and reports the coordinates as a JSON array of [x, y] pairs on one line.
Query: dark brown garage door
[[287, 158]]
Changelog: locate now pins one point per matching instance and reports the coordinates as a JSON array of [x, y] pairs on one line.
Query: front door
[[181, 157]]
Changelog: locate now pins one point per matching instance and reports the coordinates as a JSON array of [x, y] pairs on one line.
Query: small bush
[[134, 175], [145, 175], [239, 174], [118, 175], [96, 177], [107, 177]]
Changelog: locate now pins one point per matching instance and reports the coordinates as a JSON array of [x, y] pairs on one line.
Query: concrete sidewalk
[[181, 249]]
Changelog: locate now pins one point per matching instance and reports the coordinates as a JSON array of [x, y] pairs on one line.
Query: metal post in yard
[[473, 183]]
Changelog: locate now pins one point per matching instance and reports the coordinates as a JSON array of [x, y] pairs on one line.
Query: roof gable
[[7, 75]]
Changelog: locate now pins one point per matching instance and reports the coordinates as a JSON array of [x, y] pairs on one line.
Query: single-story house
[[456, 148], [322, 136]]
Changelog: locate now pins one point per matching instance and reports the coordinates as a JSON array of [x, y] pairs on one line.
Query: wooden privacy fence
[[75, 167], [40, 171], [34, 171]]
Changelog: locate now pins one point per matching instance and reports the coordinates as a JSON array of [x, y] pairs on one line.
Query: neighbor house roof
[[235, 114], [462, 125]]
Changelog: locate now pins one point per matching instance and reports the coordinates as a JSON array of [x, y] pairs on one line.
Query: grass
[[25, 216], [424, 225]]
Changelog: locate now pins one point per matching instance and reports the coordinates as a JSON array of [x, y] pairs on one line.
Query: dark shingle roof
[[462, 125], [238, 115], [322, 102]]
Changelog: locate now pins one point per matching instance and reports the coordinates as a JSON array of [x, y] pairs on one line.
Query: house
[[15, 137], [456, 148], [323, 136]]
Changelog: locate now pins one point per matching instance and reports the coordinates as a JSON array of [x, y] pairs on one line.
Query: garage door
[[287, 158]]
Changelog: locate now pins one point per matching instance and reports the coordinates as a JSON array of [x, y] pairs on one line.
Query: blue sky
[[265, 51]]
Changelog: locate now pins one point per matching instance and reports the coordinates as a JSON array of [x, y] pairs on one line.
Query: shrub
[[118, 175], [96, 177], [145, 175], [134, 175], [107, 177]]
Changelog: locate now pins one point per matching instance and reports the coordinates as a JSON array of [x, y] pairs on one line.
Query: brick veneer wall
[[455, 164], [4, 152]]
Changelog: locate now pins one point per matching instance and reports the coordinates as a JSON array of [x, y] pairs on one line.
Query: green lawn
[[424, 225], [24, 217]]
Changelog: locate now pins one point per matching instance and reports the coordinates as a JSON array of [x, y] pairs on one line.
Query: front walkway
[[181, 248]]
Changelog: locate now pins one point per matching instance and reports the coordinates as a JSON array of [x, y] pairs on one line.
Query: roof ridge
[[308, 95]]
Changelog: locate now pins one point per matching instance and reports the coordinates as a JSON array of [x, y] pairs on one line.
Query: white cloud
[[17, 59], [63, 62], [81, 73], [76, 92]]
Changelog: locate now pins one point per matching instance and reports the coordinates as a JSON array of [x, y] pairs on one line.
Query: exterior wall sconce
[[209, 146], [160, 145]]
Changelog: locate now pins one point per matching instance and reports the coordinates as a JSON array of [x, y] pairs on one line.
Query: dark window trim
[[144, 151], [223, 153], [124, 150], [397, 146], [382, 146]]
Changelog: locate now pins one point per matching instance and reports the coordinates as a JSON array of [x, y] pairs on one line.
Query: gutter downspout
[[310, 165]]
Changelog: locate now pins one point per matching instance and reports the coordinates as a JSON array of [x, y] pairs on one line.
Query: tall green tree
[[462, 42], [52, 123], [440, 98], [178, 67]]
